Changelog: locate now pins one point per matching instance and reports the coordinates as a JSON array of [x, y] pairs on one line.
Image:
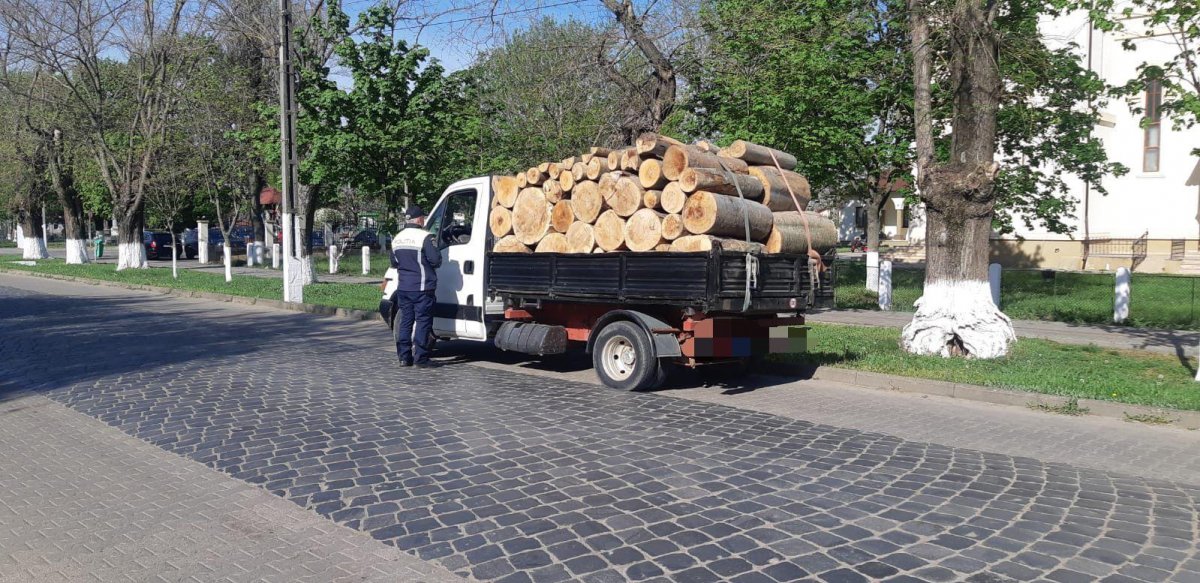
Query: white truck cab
[[459, 224]]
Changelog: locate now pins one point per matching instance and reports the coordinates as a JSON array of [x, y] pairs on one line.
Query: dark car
[[363, 238], [190, 243], [158, 244], [318, 239], [239, 235]]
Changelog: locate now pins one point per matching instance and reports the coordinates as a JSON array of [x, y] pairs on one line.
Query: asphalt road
[[497, 469]]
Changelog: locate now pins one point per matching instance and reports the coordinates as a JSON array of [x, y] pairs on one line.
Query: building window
[[1150, 149]]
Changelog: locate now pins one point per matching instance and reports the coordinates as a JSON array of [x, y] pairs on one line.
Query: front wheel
[[624, 358]]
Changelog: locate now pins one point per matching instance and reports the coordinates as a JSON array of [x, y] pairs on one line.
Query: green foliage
[[542, 96], [1049, 108], [829, 81], [398, 129]]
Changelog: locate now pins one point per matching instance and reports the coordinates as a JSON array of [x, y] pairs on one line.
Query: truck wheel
[[624, 358]]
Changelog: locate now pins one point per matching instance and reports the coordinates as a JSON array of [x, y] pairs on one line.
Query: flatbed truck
[[639, 315]]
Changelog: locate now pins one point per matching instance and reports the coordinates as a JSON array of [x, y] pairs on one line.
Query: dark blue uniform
[[416, 259]]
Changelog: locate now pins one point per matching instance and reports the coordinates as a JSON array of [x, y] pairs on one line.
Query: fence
[[1157, 301]]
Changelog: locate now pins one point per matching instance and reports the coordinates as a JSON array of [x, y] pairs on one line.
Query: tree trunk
[[680, 158], [757, 155], [693, 179], [506, 190], [586, 201], [792, 232], [873, 227], [531, 216], [510, 244], [643, 230], [955, 315], [552, 243], [131, 251], [609, 231], [778, 188], [63, 182], [33, 244], [500, 222], [580, 238], [692, 243]]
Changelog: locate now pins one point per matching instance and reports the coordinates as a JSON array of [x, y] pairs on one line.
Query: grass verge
[[1157, 301], [1037, 366], [341, 295]]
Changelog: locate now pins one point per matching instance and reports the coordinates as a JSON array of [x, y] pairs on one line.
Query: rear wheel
[[624, 358]]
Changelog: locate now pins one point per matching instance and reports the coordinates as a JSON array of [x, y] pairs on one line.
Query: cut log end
[[510, 244]]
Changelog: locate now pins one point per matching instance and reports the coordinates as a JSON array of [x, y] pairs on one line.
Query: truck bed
[[712, 282]]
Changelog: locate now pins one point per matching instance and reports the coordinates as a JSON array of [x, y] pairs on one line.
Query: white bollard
[[994, 281], [885, 285], [249, 253], [333, 262], [275, 256], [202, 241], [366, 258], [873, 270], [228, 263], [1121, 301]]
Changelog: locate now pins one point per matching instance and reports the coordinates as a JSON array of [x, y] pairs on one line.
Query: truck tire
[[624, 358]]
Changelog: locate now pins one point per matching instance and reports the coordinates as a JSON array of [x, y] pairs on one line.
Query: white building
[[1150, 218]]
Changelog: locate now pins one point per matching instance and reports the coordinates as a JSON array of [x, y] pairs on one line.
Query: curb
[[862, 379], [981, 394]]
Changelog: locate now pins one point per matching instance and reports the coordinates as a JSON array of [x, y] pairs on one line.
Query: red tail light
[[154, 244]]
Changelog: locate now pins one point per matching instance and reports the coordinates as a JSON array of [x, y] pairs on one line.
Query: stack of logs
[[660, 195]]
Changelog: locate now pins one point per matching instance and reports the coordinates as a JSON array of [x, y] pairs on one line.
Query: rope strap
[[751, 260], [812, 253]]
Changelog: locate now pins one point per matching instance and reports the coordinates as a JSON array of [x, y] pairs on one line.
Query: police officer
[[415, 258]]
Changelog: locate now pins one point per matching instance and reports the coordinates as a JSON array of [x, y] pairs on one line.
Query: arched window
[[1153, 131]]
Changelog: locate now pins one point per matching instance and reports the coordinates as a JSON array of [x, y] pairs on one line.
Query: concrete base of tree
[[958, 318]]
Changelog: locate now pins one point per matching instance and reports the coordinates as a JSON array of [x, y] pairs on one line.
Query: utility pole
[[293, 290]]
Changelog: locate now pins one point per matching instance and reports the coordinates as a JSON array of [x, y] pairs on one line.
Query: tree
[[126, 104], [831, 81], [955, 314]]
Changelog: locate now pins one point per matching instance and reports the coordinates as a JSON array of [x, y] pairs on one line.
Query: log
[[553, 190], [510, 244], [706, 146], [630, 161], [522, 181], [580, 238], [680, 158], [643, 230], [775, 188], [614, 159], [757, 155], [788, 233], [598, 250], [651, 199], [673, 198], [597, 151], [609, 231], [566, 181], [552, 243], [693, 243], [693, 179], [713, 214], [608, 183], [550, 169], [652, 145], [672, 227], [531, 216], [663, 247], [505, 189], [585, 158], [562, 216], [596, 167], [586, 201], [500, 222], [579, 171], [627, 196], [567, 163], [650, 173], [534, 177]]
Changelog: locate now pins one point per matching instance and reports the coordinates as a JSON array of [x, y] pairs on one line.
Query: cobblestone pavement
[[505, 476], [85, 502]]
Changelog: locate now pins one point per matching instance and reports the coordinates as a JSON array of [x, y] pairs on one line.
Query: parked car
[[239, 235], [362, 238], [158, 244], [318, 239]]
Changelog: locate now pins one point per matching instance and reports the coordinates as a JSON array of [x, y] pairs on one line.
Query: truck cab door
[[459, 224]]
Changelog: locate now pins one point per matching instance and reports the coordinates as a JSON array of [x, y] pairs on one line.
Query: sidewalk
[[1176, 342]]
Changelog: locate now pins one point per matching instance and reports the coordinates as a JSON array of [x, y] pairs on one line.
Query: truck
[[639, 315]]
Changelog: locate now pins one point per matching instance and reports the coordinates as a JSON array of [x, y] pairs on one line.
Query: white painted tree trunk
[[34, 248], [77, 252], [228, 259], [307, 274], [131, 256], [174, 257], [20, 238], [958, 317]]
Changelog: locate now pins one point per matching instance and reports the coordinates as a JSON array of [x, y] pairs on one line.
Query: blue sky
[[455, 38]]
